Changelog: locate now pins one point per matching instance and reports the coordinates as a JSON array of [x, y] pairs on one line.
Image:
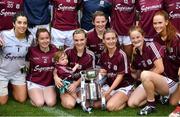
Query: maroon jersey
[[151, 51], [117, 64], [7, 10], [122, 16], [147, 9], [65, 14], [95, 44], [64, 72], [173, 8], [86, 61], [172, 59], [41, 65]]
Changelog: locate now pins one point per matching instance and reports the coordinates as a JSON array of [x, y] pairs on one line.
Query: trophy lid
[[91, 74]]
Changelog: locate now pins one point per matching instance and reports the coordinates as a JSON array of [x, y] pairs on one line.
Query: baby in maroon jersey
[[64, 72]]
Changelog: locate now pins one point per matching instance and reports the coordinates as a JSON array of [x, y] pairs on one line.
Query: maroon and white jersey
[[7, 10], [87, 61], [151, 51], [157, 38], [122, 15], [65, 14], [95, 44], [41, 65], [172, 59], [117, 64], [173, 8], [147, 9], [64, 72]]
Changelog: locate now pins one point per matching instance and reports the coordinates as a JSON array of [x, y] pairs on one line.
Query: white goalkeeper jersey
[[13, 53]]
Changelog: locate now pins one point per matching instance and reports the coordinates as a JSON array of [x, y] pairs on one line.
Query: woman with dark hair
[[13, 51], [40, 84], [168, 37]]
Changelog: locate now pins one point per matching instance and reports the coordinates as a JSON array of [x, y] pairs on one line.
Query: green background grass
[[13, 108]]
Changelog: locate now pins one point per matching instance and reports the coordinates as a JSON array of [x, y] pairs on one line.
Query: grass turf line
[[13, 108]]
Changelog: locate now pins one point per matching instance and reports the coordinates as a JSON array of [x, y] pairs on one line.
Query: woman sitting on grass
[[78, 54]]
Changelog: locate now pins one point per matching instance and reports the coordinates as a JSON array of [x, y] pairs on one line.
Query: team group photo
[[90, 58]]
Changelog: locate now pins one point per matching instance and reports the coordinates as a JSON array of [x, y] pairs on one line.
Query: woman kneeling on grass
[[114, 64], [146, 56], [14, 48], [166, 83], [40, 84]]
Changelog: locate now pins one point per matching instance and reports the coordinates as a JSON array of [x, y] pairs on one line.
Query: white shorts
[[171, 84], [124, 40], [126, 90], [61, 38], [16, 79], [33, 30], [32, 85]]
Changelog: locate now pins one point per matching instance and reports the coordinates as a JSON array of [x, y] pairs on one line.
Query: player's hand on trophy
[[103, 72], [106, 94]]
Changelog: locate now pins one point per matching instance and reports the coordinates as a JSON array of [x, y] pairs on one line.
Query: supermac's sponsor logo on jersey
[[150, 8], [173, 15], [66, 8], [178, 5], [123, 8], [3, 12], [40, 69], [12, 57]]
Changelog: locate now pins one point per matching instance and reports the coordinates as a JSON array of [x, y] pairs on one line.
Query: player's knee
[[38, 103], [51, 103], [110, 107], [21, 99], [3, 101], [68, 104], [144, 76], [131, 103]]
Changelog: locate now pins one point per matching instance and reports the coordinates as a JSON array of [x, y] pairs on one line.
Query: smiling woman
[[40, 77], [14, 49], [95, 36], [80, 55]]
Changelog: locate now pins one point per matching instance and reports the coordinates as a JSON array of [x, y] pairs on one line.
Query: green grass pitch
[[13, 108]]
